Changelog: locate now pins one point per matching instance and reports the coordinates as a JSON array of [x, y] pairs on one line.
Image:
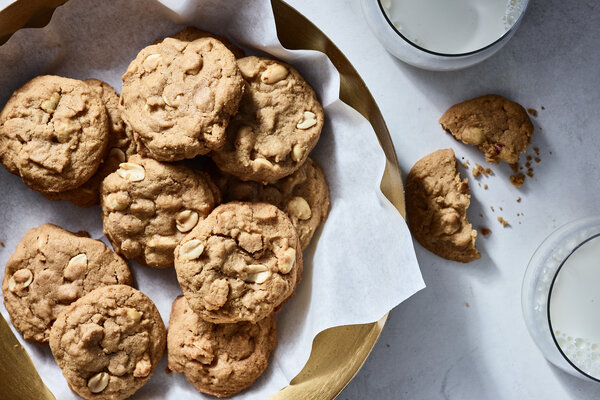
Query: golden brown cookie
[[436, 207], [278, 124], [218, 359], [190, 33], [108, 342], [120, 146], [50, 269], [53, 133], [303, 196], [149, 206], [178, 97], [500, 128], [240, 263]]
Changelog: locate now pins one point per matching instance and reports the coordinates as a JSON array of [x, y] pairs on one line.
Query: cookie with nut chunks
[[278, 124], [50, 269], [53, 133], [303, 196], [218, 359], [121, 145], [240, 263], [436, 207], [149, 206], [500, 128], [108, 342], [178, 97]]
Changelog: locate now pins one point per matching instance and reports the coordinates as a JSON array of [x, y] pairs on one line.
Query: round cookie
[[178, 97], [240, 263], [120, 146], [303, 196], [108, 342], [218, 359], [278, 124], [53, 133], [436, 207], [500, 128], [50, 269], [190, 33], [149, 206]]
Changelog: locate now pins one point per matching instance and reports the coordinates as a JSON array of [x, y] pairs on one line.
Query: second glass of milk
[[443, 34], [561, 298]]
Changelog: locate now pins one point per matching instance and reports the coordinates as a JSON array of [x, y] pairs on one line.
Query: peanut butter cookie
[[120, 146], [50, 269], [278, 124], [436, 207], [500, 128], [240, 263], [149, 206], [218, 359], [108, 342], [178, 97], [303, 196], [190, 33], [53, 133]]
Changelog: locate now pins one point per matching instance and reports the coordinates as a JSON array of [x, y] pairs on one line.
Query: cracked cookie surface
[[500, 128], [218, 359], [108, 342], [436, 207], [120, 146], [240, 263], [190, 33], [53, 133], [278, 124], [149, 206], [50, 269], [303, 196], [178, 97]]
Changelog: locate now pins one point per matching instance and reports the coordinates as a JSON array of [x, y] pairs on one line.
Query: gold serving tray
[[337, 353]]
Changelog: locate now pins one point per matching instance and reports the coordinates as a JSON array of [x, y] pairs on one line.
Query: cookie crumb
[[530, 172], [518, 199], [485, 231], [515, 167], [503, 221], [518, 214], [529, 158], [479, 184], [492, 208], [467, 304], [466, 164], [517, 180], [550, 153], [485, 186], [532, 111], [537, 151], [537, 159], [2, 244], [500, 208], [481, 215], [543, 108], [387, 345], [168, 371]]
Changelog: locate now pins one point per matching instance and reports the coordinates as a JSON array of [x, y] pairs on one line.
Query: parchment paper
[[360, 264]]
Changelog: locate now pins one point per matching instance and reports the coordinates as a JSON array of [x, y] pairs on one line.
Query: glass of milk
[[561, 298], [444, 34]]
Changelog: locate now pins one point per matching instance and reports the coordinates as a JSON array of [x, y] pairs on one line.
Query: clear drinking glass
[[404, 49], [540, 276]]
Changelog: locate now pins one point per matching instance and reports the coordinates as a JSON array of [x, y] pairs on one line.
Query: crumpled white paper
[[361, 263]]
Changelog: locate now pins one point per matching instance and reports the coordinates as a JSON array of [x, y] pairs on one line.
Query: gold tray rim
[[337, 353]]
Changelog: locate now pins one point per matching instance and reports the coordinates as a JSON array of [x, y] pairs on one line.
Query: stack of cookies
[[233, 223]]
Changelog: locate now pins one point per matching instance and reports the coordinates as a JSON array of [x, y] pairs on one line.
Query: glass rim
[[594, 236], [455, 55]]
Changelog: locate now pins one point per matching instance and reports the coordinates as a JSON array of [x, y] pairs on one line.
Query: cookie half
[[278, 124], [108, 342], [240, 263], [53, 133], [50, 269], [178, 97], [500, 128], [303, 196], [121, 145], [436, 207], [149, 206], [218, 359]]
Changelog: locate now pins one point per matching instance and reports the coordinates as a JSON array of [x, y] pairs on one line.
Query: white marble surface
[[433, 345]]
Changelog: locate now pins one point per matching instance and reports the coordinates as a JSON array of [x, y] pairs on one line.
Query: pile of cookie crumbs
[[503, 221]]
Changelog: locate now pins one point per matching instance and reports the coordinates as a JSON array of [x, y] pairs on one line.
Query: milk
[[453, 26], [575, 307]]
